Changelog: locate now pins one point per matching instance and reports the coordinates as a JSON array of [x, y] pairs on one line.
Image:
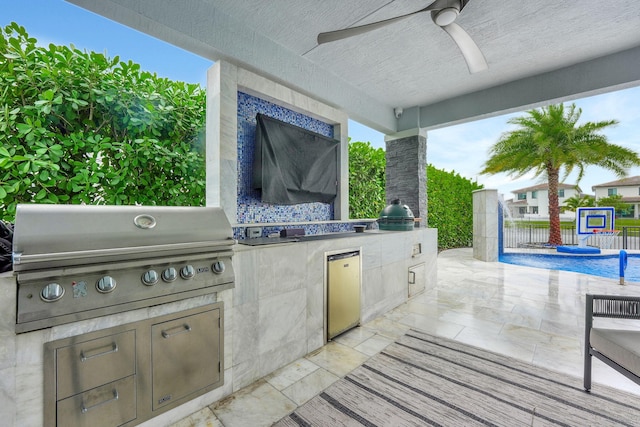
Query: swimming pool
[[596, 265]]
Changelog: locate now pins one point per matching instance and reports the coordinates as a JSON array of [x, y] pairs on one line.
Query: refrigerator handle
[[343, 256]]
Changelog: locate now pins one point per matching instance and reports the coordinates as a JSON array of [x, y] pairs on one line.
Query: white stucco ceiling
[[538, 51]]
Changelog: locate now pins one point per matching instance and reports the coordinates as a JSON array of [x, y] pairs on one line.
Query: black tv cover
[[293, 165]]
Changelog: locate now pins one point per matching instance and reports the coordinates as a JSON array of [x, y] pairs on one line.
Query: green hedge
[[450, 207], [449, 195], [78, 127], [366, 180]]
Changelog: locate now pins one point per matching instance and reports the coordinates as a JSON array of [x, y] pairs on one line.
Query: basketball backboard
[[594, 220]]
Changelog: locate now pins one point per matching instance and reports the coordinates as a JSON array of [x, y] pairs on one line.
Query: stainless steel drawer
[[88, 364], [186, 356], [109, 405], [128, 374]]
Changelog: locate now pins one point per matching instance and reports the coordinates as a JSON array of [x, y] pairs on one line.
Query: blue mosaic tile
[[250, 207]]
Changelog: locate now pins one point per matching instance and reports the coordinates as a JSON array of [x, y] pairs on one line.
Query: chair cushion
[[623, 347]]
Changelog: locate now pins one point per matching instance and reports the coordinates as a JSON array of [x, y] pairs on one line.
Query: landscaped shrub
[[450, 207], [366, 180], [449, 195], [78, 127]]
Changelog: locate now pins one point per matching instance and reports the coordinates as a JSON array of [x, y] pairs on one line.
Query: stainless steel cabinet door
[[186, 356]]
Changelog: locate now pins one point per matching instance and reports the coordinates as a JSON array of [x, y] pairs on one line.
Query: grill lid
[[396, 216], [47, 236]]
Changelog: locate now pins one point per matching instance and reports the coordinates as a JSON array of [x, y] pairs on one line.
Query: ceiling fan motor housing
[[445, 16]]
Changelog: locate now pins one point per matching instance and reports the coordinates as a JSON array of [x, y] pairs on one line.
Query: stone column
[[406, 171], [485, 225]]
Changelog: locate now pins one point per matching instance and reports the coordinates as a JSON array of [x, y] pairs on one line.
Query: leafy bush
[[78, 127], [366, 180], [615, 201], [450, 207], [450, 201]]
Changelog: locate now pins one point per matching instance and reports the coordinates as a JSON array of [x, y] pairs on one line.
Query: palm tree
[[549, 140], [579, 201]]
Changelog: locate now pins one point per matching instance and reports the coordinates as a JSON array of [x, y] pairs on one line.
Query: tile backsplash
[[250, 207], [251, 210]]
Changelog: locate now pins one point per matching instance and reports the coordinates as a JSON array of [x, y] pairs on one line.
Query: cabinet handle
[[86, 409], [181, 330], [84, 356], [412, 277]]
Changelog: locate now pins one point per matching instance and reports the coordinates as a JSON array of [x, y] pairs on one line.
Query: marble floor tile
[[203, 418], [496, 343], [525, 334], [432, 326], [310, 386], [374, 345], [337, 358], [259, 405], [468, 319], [293, 372], [605, 375], [531, 314], [386, 327], [354, 337]]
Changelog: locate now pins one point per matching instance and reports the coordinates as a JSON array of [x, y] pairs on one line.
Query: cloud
[[464, 148]]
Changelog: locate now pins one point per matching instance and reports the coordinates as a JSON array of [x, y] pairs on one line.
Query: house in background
[[533, 202], [628, 188]]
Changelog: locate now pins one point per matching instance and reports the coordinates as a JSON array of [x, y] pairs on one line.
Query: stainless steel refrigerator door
[[343, 293]]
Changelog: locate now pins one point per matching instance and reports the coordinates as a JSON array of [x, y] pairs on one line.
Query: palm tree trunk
[[555, 237]]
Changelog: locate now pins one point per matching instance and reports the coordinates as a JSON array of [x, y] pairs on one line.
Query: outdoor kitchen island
[[274, 315]]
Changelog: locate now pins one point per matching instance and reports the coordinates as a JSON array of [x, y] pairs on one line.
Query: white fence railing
[[519, 236]]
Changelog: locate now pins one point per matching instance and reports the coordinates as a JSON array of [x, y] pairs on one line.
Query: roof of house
[[545, 186], [630, 181]]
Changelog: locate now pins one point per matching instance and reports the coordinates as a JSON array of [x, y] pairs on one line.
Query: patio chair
[[618, 348]]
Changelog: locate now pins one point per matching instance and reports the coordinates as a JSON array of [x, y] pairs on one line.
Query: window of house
[[534, 209], [522, 210], [522, 196], [534, 195], [561, 192], [612, 191]]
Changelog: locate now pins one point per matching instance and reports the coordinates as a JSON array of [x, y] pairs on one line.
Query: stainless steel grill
[[75, 262]]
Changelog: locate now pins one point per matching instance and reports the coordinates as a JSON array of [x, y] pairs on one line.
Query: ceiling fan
[[443, 14]]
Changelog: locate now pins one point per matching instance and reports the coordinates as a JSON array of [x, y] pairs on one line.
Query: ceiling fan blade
[[331, 36], [470, 50]]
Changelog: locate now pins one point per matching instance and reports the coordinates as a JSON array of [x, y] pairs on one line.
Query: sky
[[62, 23]]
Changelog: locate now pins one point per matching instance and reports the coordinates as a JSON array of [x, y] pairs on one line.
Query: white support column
[[485, 225]]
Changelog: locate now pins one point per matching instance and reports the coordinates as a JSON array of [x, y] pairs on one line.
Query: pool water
[[595, 265]]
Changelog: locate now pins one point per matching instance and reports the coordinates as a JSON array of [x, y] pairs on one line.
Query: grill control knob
[[106, 284], [218, 267], [150, 278], [187, 272], [52, 292], [170, 274]]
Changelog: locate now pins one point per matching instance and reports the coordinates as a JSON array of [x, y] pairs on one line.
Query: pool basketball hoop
[[605, 237], [599, 222]]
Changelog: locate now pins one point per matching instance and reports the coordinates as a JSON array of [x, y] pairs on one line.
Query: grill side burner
[[78, 262]]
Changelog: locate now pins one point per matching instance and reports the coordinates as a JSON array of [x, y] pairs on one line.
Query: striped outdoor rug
[[425, 380]]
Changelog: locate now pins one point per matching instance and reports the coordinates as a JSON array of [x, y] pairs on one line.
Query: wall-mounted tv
[[293, 165]]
